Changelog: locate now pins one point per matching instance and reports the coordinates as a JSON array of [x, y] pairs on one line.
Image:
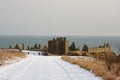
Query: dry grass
[[4, 56], [96, 66]]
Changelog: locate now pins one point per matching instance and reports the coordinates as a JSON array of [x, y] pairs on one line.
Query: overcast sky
[[60, 17]]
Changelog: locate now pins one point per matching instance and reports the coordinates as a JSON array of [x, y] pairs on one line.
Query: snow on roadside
[[11, 61], [76, 72], [83, 58]]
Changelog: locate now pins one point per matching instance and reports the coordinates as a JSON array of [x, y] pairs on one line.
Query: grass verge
[[7, 56], [96, 66]]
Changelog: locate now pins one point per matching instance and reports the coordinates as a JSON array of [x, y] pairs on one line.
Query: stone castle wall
[[106, 48]]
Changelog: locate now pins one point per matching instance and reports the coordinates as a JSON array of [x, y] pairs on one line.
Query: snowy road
[[45, 68]]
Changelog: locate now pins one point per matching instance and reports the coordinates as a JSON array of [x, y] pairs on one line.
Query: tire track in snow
[[68, 74], [24, 69], [46, 68], [75, 72], [7, 71], [9, 68], [15, 69]]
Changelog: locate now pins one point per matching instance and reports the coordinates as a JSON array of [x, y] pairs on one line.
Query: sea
[[90, 41]]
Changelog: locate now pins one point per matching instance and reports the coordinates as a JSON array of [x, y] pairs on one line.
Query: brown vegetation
[[74, 53], [4, 56], [97, 66]]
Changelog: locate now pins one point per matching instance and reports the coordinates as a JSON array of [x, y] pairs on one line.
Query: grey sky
[[60, 17]]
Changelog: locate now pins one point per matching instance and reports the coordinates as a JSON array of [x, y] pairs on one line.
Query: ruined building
[[104, 48], [58, 46], [19, 46]]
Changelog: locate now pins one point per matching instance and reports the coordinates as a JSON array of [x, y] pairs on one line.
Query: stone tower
[[58, 46]]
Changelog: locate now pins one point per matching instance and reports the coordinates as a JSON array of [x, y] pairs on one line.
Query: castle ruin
[[58, 46], [104, 48], [19, 46]]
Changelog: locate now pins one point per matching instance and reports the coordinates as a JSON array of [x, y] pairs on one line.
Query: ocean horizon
[[91, 41]]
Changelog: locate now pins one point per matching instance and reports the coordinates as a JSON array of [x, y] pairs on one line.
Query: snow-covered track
[[45, 68]]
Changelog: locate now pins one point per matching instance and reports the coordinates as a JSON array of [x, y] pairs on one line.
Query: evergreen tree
[[10, 46], [72, 47], [16, 46], [28, 47], [35, 46], [85, 48]]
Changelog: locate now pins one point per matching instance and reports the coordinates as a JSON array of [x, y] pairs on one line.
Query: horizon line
[[67, 35]]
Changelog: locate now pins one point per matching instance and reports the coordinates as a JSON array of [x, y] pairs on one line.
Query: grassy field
[[98, 67]]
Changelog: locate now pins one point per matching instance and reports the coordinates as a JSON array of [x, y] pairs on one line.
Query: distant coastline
[[91, 41]]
